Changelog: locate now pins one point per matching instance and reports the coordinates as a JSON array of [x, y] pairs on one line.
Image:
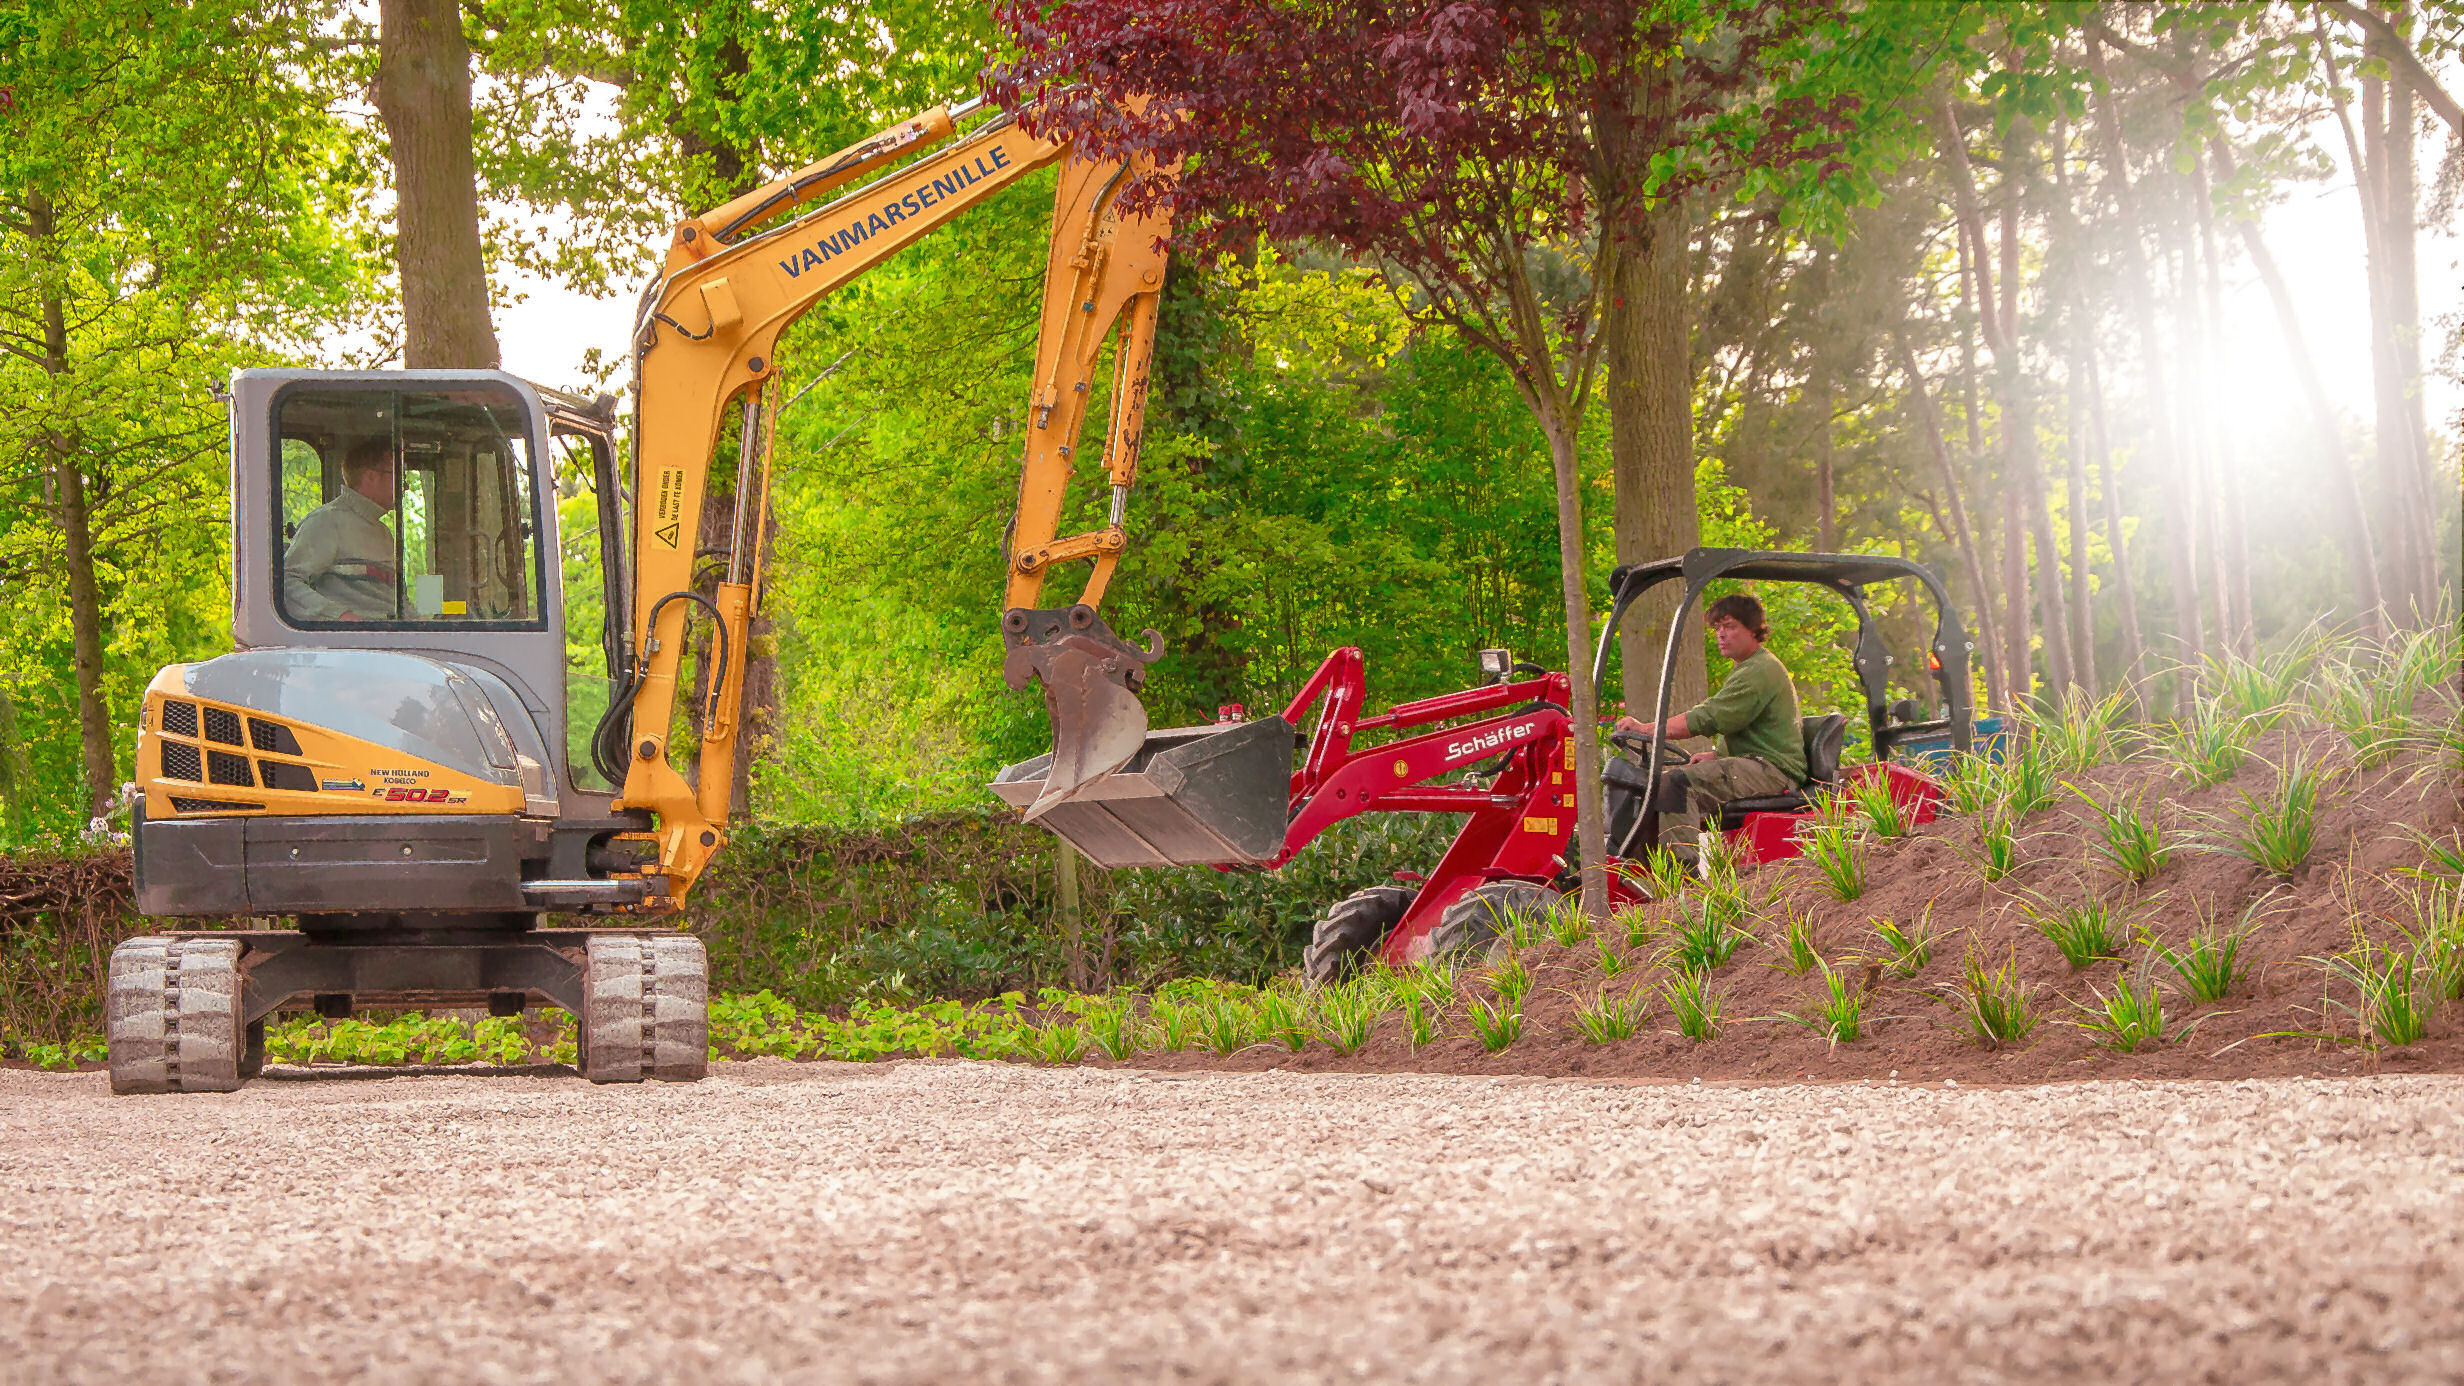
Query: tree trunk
[[1651, 447], [70, 509], [1996, 649], [2117, 539], [2075, 497], [2023, 478], [2232, 529], [423, 96], [2166, 459], [2017, 620], [1826, 493], [1591, 829], [2360, 553], [2401, 193], [1963, 532]]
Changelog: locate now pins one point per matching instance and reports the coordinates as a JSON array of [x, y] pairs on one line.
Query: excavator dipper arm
[[706, 344]]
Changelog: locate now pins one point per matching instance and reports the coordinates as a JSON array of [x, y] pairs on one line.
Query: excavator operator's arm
[[705, 344]]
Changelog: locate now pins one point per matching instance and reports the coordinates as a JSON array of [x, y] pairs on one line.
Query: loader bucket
[[1091, 679], [1189, 796]]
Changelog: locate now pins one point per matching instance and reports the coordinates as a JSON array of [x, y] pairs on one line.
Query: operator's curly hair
[[1742, 609]]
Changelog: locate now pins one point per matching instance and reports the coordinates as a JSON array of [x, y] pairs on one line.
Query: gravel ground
[[990, 1222]]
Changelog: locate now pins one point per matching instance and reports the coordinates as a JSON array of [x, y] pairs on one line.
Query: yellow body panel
[[351, 775]]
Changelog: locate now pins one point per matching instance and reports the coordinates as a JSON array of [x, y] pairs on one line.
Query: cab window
[[405, 508]]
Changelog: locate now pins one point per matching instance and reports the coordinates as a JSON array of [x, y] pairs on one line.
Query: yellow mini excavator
[[402, 757]]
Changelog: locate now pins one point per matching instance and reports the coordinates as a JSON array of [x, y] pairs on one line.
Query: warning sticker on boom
[[667, 508]]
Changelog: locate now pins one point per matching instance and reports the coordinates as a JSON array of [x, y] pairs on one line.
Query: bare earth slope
[[945, 1221]]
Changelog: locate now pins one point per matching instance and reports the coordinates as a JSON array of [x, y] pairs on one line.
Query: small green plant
[[1512, 982], [1995, 1005], [2260, 690], [1906, 949], [1694, 1005], [2371, 711], [1523, 928], [1883, 815], [1059, 1041], [1346, 1016], [2439, 854], [1667, 872], [1611, 961], [1839, 1008], [1176, 1023], [1432, 981], [1229, 1025], [1606, 1018], [1972, 782], [1831, 845], [2436, 933], [2129, 840], [2130, 1016], [2085, 933], [1497, 1024], [2081, 733], [1567, 923], [2210, 961], [2424, 658], [1701, 938], [2388, 1006], [1419, 1019], [1800, 950], [2209, 746], [2276, 832], [1639, 926], [2028, 779], [1997, 846], [1282, 1016], [1114, 1028]]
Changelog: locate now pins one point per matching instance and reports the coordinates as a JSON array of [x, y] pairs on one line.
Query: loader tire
[[645, 1009], [1350, 932], [1474, 927], [171, 1017]]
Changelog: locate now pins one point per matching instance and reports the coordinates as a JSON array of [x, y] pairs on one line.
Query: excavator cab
[[395, 753]]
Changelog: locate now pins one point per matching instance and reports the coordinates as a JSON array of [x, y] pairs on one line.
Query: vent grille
[[180, 719], [182, 762], [283, 775], [272, 736], [224, 768], [223, 725], [181, 805]]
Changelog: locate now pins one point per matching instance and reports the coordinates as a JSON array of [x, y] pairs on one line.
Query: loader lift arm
[[705, 344]]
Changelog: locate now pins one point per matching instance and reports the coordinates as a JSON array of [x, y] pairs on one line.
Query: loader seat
[[1824, 737]]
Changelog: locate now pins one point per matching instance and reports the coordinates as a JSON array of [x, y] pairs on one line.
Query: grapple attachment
[[1189, 796], [1091, 679]]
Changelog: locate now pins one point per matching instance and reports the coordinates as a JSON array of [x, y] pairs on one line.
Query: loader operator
[[340, 566], [1762, 743]]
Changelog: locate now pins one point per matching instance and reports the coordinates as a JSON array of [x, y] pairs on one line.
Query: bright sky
[[2315, 237]]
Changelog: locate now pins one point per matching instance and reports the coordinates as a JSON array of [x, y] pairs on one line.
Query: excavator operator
[[340, 565], [1762, 746]]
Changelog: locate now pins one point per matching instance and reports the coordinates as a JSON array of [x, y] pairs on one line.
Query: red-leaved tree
[[1506, 159]]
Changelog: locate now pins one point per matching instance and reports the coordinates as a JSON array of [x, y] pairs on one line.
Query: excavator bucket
[[1188, 796], [1184, 797]]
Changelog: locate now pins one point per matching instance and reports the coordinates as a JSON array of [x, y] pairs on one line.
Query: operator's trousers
[[1692, 793]]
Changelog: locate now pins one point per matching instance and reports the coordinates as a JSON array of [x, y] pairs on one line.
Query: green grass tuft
[[1995, 1005], [1831, 844], [2129, 1017], [2130, 841], [1611, 961], [2210, 961], [2277, 831], [1497, 1025], [2209, 746], [1883, 815], [2085, 933], [2388, 1005], [1605, 1019], [1800, 949], [1839, 1008], [1567, 923], [1906, 949], [1282, 1016], [1972, 782], [1702, 938], [1694, 1005]]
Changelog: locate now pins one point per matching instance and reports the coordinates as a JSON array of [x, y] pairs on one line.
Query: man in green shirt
[[1762, 740]]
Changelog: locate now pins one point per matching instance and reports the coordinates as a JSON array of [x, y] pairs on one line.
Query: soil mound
[[2290, 1010]]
